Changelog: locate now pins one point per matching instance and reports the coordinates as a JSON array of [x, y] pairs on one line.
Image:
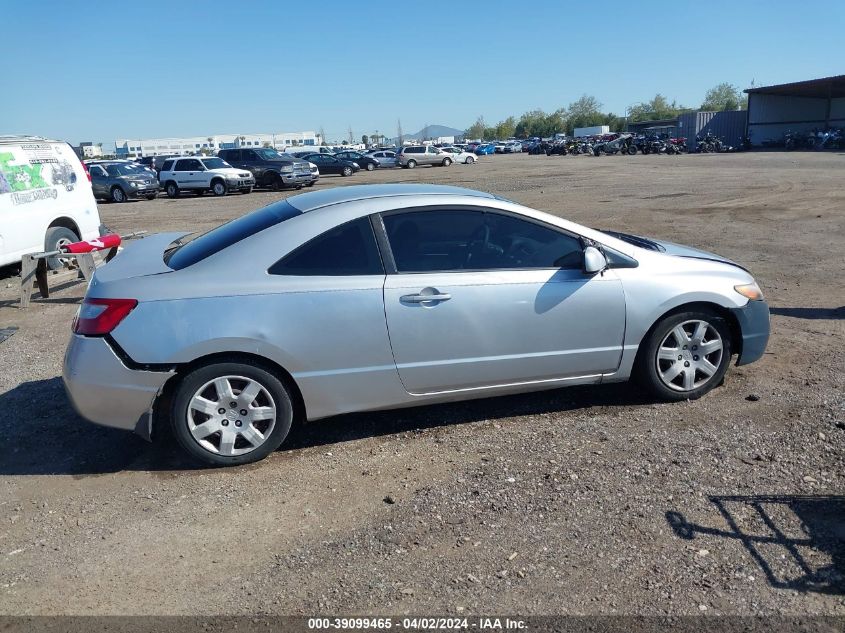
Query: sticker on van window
[[30, 181]]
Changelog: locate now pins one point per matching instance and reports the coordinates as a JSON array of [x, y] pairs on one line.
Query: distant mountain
[[432, 131]]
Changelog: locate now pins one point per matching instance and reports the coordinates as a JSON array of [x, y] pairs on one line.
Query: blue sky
[[104, 70]]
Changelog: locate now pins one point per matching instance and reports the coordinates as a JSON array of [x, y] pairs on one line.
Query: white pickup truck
[[203, 173]]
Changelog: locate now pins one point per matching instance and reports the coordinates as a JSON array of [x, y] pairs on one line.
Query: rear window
[[227, 234]]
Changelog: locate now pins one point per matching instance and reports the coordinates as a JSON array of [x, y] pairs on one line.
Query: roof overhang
[[833, 87]]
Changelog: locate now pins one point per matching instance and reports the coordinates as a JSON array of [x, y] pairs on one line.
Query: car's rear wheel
[[172, 190], [218, 188], [412, 164], [231, 413], [118, 194], [685, 356]]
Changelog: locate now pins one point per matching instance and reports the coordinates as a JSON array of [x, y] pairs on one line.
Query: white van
[[45, 198]]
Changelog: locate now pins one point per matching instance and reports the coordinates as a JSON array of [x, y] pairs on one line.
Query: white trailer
[[595, 130]]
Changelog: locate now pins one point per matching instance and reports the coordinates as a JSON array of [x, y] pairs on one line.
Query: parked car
[[268, 298], [315, 174], [155, 162], [514, 148], [363, 161], [200, 174], [119, 181], [485, 149], [46, 199], [459, 155], [414, 155], [386, 158], [269, 167], [300, 151], [328, 164]]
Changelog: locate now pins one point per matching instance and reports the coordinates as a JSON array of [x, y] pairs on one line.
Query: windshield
[[268, 154], [127, 170], [215, 240], [215, 163]]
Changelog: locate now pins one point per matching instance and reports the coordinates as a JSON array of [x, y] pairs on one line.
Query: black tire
[[347, 171], [648, 366], [447, 162], [370, 167], [171, 189], [152, 196], [117, 195], [632, 150], [276, 183], [219, 188], [254, 371], [55, 237], [411, 164]]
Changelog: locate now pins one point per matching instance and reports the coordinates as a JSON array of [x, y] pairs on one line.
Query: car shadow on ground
[[784, 535], [810, 313], [48, 438]]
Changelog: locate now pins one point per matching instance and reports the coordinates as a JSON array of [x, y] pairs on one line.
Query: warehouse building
[[136, 148], [798, 107]]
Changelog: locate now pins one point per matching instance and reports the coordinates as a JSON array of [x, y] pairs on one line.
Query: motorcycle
[[624, 143], [709, 143]]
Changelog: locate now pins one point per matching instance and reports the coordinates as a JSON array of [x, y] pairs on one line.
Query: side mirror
[[594, 260]]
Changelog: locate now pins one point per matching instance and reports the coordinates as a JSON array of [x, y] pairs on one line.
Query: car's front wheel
[[347, 171], [218, 188], [118, 195], [231, 413], [370, 166], [686, 355], [172, 190]]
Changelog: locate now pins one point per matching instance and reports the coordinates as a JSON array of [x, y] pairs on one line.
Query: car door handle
[[421, 298]]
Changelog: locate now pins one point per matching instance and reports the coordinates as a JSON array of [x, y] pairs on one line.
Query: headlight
[[133, 184], [357, 165], [287, 169], [750, 291]]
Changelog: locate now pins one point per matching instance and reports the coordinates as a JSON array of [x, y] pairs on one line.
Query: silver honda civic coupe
[[384, 296]]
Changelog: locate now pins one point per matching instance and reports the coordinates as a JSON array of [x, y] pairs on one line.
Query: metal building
[[798, 107], [728, 126]]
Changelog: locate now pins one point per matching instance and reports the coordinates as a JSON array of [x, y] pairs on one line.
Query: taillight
[[87, 171], [98, 317]]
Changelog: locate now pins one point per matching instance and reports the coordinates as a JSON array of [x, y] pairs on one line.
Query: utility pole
[[399, 131]]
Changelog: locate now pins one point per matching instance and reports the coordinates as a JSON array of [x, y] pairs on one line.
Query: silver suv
[[414, 155]]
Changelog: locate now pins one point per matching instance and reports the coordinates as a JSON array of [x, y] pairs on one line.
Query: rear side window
[[167, 166], [348, 249], [228, 234]]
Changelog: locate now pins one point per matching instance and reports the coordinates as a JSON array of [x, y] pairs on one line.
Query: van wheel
[[227, 414], [118, 194], [218, 188], [412, 164], [172, 190], [55, 238]]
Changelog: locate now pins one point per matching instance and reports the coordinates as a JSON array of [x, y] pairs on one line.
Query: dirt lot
[[580, 501]]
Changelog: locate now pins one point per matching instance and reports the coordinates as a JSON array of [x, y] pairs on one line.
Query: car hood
[[679, 250], [229, 171], [669, 248]]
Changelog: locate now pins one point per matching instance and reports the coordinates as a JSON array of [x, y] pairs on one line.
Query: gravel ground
[[577, 501]]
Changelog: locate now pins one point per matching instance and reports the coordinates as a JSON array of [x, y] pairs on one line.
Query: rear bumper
[[753, 319], [105, 391]]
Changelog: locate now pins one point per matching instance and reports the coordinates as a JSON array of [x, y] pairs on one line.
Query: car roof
[[316, 199]]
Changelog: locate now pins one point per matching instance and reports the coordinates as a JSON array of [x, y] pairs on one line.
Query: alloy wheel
[[689, 355], [231, 415]]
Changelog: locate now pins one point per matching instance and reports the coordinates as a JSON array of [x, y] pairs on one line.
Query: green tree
[[365, 139], [658, 108], [585, 112], [476, 130], [505, 129], [725, 96]]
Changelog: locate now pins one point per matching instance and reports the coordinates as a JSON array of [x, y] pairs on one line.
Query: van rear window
[[225, 235]]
